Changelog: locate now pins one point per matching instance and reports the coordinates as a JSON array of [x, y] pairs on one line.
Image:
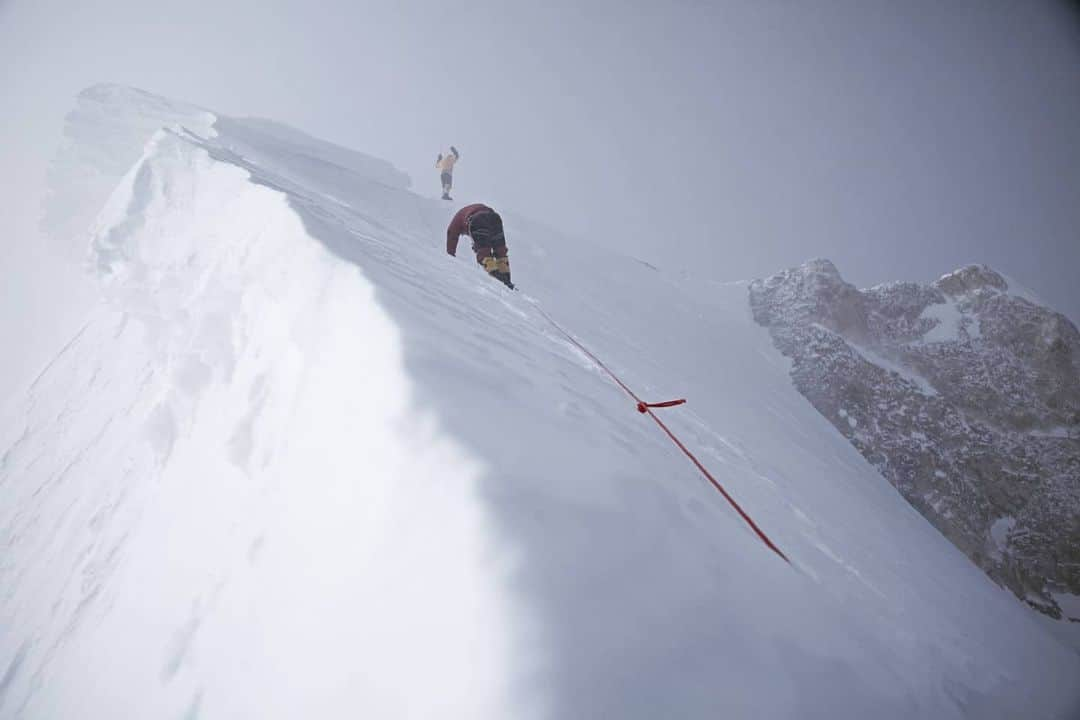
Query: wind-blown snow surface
[[300, 462]]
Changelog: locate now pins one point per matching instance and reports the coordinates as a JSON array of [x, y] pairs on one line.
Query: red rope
[[646, 408]]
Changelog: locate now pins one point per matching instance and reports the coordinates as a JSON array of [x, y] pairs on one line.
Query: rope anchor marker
[[643, 407]]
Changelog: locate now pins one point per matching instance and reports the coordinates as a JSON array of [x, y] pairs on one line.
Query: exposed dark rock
[[964, 394]]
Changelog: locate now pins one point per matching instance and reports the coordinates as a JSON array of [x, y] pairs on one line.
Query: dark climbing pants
[[486, 231], [489, 244]]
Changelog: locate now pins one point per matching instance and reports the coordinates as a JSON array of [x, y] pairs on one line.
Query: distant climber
[[485, 227], [445, 165]]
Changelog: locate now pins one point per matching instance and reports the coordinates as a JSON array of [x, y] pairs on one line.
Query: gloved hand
[[454, 150]]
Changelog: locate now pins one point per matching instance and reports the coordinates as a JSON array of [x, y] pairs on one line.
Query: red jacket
[[460, 225]]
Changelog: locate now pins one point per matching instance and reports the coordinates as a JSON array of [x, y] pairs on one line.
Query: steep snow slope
[[300, 462]]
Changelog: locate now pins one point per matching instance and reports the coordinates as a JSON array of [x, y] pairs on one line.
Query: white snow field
[[299, 462]]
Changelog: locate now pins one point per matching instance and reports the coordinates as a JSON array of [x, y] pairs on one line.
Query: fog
[[733, 139]]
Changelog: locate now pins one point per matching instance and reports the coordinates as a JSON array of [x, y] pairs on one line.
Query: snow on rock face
[[818, 292], [969, 279], [301, 463], [949, 323], [1003, 420]]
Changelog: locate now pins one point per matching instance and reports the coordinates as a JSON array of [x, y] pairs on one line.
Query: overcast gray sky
[[899, 139]]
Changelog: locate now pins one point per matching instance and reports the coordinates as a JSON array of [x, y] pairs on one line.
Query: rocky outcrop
[[965, 394]]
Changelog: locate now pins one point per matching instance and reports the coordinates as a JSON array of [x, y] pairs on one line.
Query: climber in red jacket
[[485, 227]]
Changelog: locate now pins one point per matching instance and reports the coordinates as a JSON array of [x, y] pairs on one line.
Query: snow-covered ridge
[[171, 469], [299, 462], [106, 134]]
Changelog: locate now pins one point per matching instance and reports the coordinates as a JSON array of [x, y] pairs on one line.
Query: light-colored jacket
[[446, 163]]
